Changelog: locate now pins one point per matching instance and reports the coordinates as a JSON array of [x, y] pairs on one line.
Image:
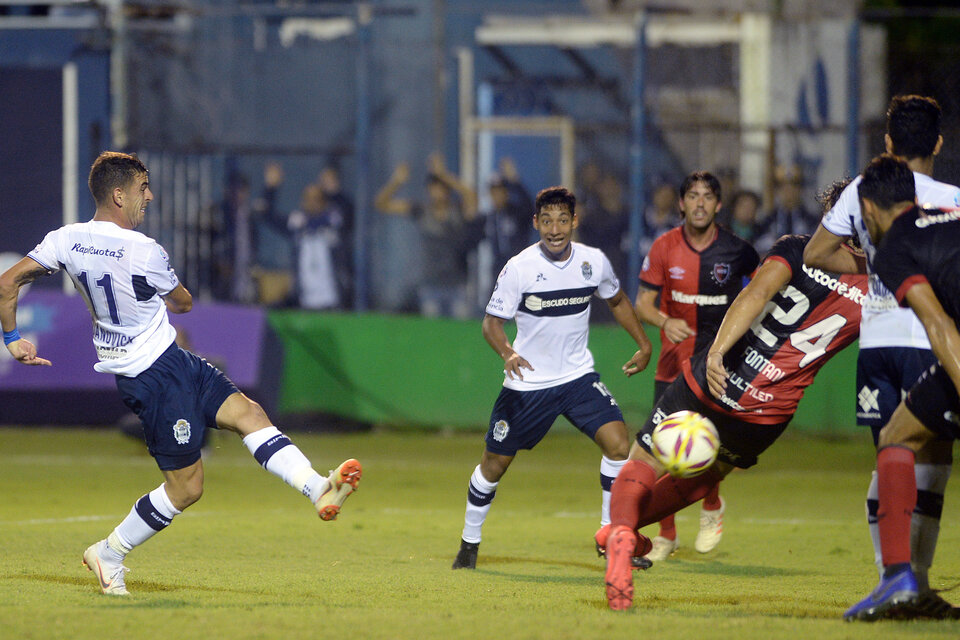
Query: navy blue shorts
[[884, 375], [933, 399], [740, 442], [176, 399], [520, 419]]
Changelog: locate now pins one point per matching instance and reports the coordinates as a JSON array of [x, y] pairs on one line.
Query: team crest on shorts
[[500, 430], [721, 272], [586, 270], [181, 431]]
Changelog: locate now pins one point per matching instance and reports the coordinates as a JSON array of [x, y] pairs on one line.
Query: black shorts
[[933, 399], [520, 419], [659, 386], [740, 442], [884, 375], [176, 399]]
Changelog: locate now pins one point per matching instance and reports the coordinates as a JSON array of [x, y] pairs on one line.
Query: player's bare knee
[[613, 440], [905, 430], [242, 415], [184, 494], [493, 466]]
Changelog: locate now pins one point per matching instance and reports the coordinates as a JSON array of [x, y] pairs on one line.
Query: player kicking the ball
[[128, 285], [547, 289], [772, 341]]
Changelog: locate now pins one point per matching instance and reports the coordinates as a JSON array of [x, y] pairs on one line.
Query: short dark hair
[[886, 181], [701, 176], [111, 170], [913, 124], [555, 196]]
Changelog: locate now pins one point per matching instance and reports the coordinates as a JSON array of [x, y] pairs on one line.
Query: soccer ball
[[686, 443]]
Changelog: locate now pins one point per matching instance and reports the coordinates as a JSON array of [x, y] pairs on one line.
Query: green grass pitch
[[252, 560]]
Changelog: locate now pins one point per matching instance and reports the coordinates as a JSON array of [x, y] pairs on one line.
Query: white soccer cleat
[[110, 574], [343, 481], [662, 549], [711, 529]]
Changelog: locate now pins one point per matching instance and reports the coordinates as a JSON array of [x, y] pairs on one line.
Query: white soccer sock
[[609, 470], [925, 522], [479, 497], [873, 502], [282, 458], [150, 515]]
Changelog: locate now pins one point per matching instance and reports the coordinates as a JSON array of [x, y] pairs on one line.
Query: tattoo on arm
[[29, 276]]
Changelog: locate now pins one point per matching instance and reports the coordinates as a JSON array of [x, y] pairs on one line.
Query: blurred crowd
[[430, 239]]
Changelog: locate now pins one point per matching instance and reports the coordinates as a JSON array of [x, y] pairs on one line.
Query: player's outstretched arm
[[24, 272], [825, 250], [770, 278], [941, 329], [625, 314], [179, 300], [496, 337]]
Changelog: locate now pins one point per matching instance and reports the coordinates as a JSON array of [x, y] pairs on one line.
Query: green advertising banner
[[408, 371]]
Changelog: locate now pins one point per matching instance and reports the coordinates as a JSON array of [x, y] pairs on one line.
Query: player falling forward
[[128, 285], [776, 335], [547, 289], [696, 269], [917, 258], [894, 348]]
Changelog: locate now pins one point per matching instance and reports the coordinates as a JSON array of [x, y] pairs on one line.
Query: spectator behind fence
[[660, 216], [743, 214], [317, 229], [445, 234], [789, 215], [507, 225], [607, 222], [273, 270], [332, 186], [233, 243]]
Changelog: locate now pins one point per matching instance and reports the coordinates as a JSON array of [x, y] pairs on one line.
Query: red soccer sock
[[631, 490], [711, 502], [668, 528], [897, 491], [672, 494]]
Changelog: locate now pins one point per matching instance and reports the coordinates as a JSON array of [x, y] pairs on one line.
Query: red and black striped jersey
[[697, 286], [813, 317], [923, 245]]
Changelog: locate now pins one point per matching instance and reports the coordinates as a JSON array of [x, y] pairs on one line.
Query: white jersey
[[884, 323], [121, 275], [550, 302]]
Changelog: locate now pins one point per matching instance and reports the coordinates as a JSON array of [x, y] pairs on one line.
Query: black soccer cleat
[[467, 556], [931, 605]]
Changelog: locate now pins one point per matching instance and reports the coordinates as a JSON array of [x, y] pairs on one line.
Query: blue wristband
[[11, 336]]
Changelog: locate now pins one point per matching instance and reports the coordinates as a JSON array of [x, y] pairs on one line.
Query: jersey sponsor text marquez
[[697, 286]]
